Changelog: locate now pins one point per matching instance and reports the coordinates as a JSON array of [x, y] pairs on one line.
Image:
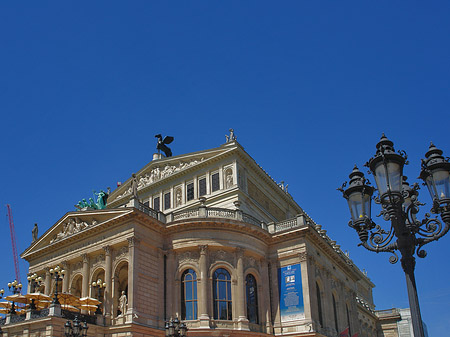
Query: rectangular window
[[190, 191], [167, 200], [215, 182], [156, 204], [201, 187]]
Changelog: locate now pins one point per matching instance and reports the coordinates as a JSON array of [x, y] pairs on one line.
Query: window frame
[[228, 300], [193, 302]]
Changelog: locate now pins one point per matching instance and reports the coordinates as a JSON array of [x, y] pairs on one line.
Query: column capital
[[107, 249], [47, 270], [132, 241], [303, 256], [65, 264], [85, 258], [203, 249]]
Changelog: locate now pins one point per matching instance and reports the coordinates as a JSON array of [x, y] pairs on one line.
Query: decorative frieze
[[221, 255], [159, 173], [71, 227], [99, 259], [121, 252], [188, 257]]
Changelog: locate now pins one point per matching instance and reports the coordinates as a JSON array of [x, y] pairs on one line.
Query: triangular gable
[[159, 170], [71, 225]]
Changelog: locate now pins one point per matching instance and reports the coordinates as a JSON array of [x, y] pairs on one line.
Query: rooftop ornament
[[162, 144], [101, 202], [400, 206]]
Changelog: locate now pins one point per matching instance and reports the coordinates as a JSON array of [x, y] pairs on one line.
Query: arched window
[[319, 304], [222, 294], [189, 295], [252, 299], [335, 314]]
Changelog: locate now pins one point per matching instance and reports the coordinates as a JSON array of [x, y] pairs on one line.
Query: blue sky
[[308, 87]]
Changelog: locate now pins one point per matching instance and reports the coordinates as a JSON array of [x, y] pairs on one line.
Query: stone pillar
[[240, 291], [264, 296], [170, 287], [132, 277], [273, 271], [85, 283], [108, 280], [203, 283], [47, 281], [66, 278]]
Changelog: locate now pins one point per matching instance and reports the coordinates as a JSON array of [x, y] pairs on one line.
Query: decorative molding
[[303, 256], [77, 266], [250, 262], [71, 227], [188, 257], [85, 258], [107, 250], [132, 241], [159, 173], [99, 259], [221, 255], [203, 249], [122, 252]]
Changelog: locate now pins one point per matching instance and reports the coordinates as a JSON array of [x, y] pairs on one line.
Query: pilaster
[[108, 281]]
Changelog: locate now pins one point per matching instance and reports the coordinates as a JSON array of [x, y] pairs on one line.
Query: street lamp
[[76, 330], [175, 329], [35, 281], [15, 287], [58, 274], [400, 205], [98, 285]]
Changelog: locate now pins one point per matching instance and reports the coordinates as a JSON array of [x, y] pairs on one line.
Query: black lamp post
[[98, 285], [76, 330], [35, 281], [58, 274], [400, 205], [15, 287], [175, 329]]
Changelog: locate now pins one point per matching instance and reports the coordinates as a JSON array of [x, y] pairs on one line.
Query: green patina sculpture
[[102, 198]]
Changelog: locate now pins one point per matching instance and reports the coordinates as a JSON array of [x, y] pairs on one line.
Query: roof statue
[[34, 232], [231, 137], [102, 198], [161, 145]]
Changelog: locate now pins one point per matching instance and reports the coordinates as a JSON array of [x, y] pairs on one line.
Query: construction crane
[[13, 242]]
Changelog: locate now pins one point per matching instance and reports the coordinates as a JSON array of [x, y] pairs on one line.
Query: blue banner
[[291, 294]]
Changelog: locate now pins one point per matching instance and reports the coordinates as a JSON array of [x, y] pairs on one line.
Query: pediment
[[71, 225], [158, 171]]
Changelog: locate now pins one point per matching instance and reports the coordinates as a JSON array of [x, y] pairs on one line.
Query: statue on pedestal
[[123, 303]]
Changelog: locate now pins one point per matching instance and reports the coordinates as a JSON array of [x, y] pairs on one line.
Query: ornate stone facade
[[226, 224]]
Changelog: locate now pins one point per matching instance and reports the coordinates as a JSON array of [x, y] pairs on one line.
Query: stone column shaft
[[240, 300], [85, 273], [203, 284], [66, 278], [47, 281], [108, 281], [132, 276]]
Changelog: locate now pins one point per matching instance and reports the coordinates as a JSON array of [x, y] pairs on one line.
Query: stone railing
[[17, 318], [387, 312]]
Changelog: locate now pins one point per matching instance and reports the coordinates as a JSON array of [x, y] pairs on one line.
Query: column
[[85, 282], [203, 284], [170, 289], [132, 276], [66, 279], [240, 291], [264, 297], [108, 280], [85, 273], [273, 274], [47, 281]]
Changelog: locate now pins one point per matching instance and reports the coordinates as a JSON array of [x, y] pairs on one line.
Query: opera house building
[[206, 237]]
